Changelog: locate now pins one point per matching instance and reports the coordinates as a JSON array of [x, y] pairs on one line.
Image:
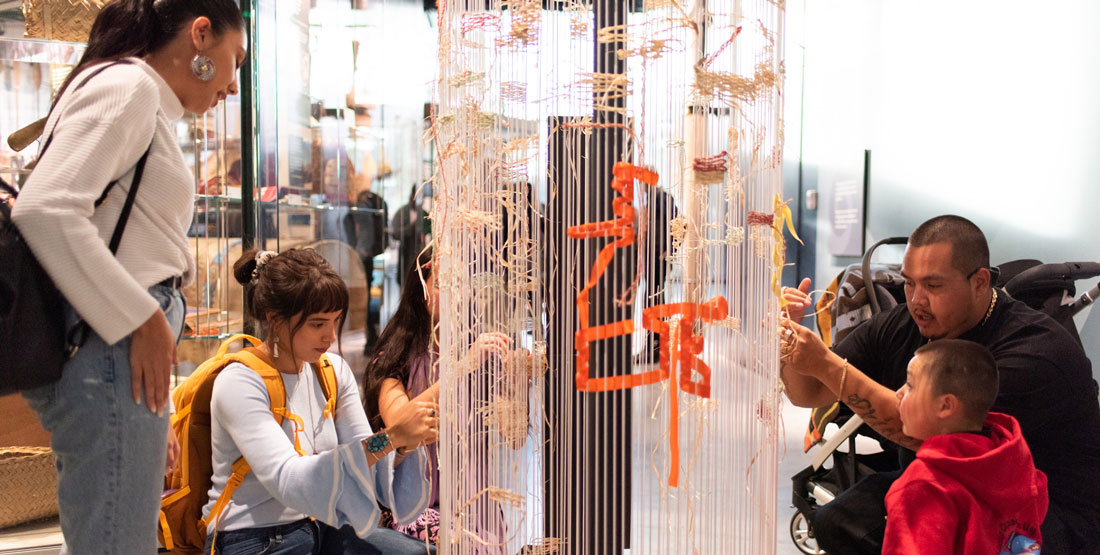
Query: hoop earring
[[275, 347], [202, 67]]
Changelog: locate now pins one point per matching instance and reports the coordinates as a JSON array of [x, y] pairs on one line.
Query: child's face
[[917, 405]]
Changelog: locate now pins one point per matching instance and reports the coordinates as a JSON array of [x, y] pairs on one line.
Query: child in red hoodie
[[973, 487]]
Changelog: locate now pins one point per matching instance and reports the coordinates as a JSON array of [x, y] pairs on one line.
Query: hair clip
[[262, 258]]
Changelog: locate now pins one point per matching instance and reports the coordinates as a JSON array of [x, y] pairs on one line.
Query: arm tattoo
[[889, 427]]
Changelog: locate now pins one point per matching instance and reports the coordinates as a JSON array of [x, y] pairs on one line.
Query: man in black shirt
[[1046, 383], [407, 227], [365, 225]]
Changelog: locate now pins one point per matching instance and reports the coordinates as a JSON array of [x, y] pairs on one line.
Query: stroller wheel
[[803, 536]]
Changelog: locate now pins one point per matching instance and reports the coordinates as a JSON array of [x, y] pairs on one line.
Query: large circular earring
[[203, 67]]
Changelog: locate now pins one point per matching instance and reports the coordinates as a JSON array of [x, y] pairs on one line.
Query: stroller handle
[[1056, 275], [868, 282], [1085, 299]]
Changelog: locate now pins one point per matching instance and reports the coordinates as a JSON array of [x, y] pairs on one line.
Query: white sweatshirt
[[103, 128], [333, 483]]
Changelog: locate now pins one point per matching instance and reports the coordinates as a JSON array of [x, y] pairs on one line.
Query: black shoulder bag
[[34, 343]]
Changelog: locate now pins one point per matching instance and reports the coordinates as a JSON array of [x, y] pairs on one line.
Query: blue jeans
[[110, 451], [379, 541], [297, 538], [306, 537]]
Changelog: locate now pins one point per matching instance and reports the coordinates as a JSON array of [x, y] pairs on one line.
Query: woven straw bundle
[[67, 20], [28, 484]]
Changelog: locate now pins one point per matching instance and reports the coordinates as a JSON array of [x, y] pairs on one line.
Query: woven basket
[[67, 20], [28, 484]]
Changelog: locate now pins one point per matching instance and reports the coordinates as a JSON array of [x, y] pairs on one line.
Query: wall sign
[[846, 238]]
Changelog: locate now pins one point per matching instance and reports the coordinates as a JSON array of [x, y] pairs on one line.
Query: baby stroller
[[1050, 288]]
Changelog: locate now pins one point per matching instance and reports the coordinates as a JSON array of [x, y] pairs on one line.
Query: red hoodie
[[968, 494]]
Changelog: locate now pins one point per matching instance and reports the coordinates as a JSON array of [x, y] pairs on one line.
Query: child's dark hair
[[293, 283], [408, 333], [127, 28], [964, 369]]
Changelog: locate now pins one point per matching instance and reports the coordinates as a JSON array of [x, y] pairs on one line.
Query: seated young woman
[[402, 372], [307, 479]]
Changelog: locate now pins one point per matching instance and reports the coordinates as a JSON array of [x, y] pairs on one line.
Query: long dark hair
[[294, 283], [127, 28], [408, 334]]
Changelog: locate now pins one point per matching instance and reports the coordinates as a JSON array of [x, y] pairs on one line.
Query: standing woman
[[108, 414]]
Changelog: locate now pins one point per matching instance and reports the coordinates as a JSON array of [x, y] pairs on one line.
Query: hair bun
[[245, 266]]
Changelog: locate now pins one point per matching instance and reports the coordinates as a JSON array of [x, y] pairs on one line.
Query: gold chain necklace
[[992, 304]]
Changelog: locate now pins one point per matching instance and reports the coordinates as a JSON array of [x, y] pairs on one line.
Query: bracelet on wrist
[[377, 443], [843, 376]]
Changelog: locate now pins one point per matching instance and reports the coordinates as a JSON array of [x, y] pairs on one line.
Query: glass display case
[[339, 146], [212, 148], [31, 70]]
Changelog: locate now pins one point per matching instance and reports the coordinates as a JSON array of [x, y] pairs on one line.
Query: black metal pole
[[248, 145], [866, 200], [594, 427]]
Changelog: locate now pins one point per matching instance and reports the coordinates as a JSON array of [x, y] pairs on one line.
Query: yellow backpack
[[182, 528]]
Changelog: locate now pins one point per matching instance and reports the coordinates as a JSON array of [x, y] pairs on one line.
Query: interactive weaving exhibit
[[607, 195]]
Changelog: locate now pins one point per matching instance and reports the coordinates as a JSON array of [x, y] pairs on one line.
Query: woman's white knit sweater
[[102, 129]]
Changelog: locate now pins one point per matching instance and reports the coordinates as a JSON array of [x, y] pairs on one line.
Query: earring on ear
[[202, 67], [275, 347]]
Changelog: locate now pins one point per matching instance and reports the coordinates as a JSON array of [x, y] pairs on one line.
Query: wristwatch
[[377, 442]]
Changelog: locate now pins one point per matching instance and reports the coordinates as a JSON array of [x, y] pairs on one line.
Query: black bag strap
[[131, 196], [5, 209]]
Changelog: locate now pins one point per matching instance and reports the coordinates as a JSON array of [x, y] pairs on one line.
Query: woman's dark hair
[[127, 28], [408, 334], [294, 283]]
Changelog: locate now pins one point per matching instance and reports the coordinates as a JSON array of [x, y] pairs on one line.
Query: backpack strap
[[255, 342], [276, 391], [273, 380], [240, 470], [326, 375], [184, 408]]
